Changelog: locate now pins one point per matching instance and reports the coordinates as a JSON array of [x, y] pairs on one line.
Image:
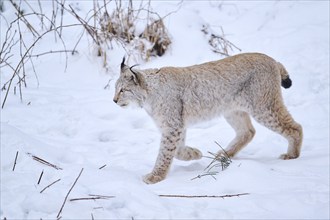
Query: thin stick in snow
[[66, 197], [101, 196], [102, 166], [49, 185], [44, 161], [92, 198], [42, 173], [212, 174], [15, 161], [204, 196]]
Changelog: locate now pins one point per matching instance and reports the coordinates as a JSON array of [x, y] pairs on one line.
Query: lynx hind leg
[[188, 153], [240, 121], [279, 120]]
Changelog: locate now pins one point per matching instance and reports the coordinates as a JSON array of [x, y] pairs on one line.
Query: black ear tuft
[[134, 74], [131, 68], [122, 65]]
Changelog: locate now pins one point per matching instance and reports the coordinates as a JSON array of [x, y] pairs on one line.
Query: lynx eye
[[125, 90]]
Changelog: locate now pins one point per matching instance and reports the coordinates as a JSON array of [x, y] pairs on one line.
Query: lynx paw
[[188, 153], [152, 178], [288, 157]]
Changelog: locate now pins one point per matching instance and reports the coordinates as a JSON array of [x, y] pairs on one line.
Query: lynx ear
[[122, 65], [134, 74]]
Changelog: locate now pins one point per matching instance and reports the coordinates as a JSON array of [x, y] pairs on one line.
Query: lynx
[[236, 87]]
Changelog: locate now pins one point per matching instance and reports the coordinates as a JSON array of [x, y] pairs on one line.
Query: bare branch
[[15, 161], [204, 196], [42, 173], [52, 52], [102, 166], [217, 160], [212, 174], [91, 198], [27, 23], [26, 54], [49, 185], [219, 44], [44, 162], [66, 197]]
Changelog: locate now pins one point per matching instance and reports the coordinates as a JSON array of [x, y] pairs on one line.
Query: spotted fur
[[236, 87]]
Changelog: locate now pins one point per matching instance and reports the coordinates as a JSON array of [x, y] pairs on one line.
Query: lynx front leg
[[170, 141], [186, 153]]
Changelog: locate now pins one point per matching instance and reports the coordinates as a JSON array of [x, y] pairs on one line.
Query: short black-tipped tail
[[286, 83], [285, 79]]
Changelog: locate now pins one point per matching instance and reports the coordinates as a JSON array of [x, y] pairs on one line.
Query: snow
[[69, 120]]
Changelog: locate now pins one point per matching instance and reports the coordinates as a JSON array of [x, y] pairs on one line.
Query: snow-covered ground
[[70, 120]]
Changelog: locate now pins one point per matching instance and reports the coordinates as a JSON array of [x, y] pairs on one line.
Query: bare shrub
[[217, 161], [104, 27], [16, 39], [157, 35], [107, 28], [120, 26], [218, 42]]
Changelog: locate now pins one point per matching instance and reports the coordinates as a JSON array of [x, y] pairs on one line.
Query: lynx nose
[[115, 100]]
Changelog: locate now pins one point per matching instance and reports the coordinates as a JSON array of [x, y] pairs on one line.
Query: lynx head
[[129, 89]]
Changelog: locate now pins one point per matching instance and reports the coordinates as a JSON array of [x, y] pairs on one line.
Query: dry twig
[[218, 160], [92, 197], [219, 43], [15, 161], [102, 166], [66, 197], [204, 196], [212, 174], [49, 185], [42, 173], [44, 162]]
